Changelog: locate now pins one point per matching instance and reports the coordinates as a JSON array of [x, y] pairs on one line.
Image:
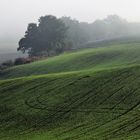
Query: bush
[[20, 61], [2, 67], [7, 63], [32, 59]]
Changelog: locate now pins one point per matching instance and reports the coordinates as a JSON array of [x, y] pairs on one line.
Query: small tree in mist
[[78, 32], [46, 38]]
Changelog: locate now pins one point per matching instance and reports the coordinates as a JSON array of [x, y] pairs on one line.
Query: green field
[[90, 94]]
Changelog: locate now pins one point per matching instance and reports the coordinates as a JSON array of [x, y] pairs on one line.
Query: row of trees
[[52, 36], [111, 27]]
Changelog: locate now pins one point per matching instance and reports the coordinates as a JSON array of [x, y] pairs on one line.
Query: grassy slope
[[83, 105], [72, 106], [94, 58]]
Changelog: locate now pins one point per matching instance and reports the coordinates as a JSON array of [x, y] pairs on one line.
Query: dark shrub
[[7, 63], [20, 61]]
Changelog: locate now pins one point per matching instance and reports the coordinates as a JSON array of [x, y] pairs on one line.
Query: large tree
[[46, 38]]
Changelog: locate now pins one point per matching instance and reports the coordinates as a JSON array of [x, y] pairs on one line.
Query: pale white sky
[[16, 14]]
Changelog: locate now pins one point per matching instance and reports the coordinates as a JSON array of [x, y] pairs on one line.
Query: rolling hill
[[116, 55], [90, 94]]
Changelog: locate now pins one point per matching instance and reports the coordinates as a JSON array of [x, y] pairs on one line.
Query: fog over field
[[15, 15], [70, 70]]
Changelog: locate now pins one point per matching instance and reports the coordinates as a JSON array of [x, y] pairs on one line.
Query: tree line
[[52, 35]]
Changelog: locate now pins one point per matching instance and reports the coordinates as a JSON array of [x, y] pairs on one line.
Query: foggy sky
[[16, 14]]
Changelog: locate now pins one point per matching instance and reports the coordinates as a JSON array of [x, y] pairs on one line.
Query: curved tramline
[[75, 106], [89, 94]]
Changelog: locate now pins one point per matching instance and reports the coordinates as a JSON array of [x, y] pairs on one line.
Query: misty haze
[[70, 70]]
